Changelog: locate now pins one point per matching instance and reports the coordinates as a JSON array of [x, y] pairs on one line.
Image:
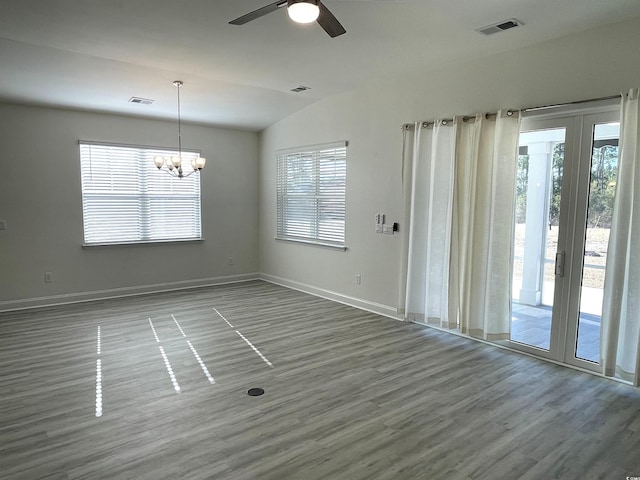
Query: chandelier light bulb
[[198, 163]]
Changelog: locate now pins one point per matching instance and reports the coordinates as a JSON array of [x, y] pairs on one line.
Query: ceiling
[[96, 54]]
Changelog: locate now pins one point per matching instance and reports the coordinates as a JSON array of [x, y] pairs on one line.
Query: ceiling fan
[[300, 11]]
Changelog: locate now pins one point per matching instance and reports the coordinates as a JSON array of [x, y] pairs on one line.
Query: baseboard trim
[[372, 307], [90, 296]]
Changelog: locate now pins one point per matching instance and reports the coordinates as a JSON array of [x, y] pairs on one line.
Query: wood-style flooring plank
[[348, 395]]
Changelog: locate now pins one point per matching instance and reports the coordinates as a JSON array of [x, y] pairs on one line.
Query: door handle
[[559, 270]]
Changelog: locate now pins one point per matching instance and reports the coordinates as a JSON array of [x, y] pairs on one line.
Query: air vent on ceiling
[[301, 88], [141, 101], [500, 26]]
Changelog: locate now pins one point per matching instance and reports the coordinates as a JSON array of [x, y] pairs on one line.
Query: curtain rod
[[430, 123], [577, 102], [447, 121]]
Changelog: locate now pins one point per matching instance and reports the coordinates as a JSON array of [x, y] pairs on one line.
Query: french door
[[565, 189]]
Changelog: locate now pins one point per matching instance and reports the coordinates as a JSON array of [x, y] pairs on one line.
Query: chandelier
[[173, 165]]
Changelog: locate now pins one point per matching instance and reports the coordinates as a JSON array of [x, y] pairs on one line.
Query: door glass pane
[[604, 169], [538, 191]]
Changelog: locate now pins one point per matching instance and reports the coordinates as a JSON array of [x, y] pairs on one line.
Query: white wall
[[40, 199], [592, 64]]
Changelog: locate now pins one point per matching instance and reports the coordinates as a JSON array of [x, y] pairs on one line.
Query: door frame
[[572, 218], [580, 202]]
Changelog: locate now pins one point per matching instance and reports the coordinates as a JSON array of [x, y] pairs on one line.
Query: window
[[126, 199], [311, 187]]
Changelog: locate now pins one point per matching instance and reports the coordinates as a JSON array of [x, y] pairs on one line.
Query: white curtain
[[620, 340], [458, 184], [428, 194], [485, 170]]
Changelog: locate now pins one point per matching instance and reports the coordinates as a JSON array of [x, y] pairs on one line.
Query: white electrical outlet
[[3, 224], [358, 279], [378, 228], [48, 277], [387, 229], [230, 261]]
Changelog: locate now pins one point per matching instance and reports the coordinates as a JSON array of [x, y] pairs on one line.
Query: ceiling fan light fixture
[[303, 11]]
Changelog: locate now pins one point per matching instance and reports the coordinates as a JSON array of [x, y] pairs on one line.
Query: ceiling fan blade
[[329, 23], [272, 7]]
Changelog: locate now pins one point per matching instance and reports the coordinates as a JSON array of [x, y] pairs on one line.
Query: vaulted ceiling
[[97, 54]]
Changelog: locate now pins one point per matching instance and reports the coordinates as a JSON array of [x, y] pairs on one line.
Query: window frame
[[313, 155], [147, 190]]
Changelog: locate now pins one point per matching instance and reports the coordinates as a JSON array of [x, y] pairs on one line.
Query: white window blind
[[126, 199], [311, 189]]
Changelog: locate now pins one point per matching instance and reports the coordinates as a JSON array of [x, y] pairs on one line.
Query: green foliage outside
[[604, 171], [604, 167], [522, 175]]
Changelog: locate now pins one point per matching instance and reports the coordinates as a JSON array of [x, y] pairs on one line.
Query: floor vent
[[500, 26], [141, 101], [255, 392]]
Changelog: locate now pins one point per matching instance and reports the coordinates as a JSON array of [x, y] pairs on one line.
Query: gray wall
[[40, 194], [40, 199], [591, 64]]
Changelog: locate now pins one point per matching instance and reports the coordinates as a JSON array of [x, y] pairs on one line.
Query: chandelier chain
[[179, 122]]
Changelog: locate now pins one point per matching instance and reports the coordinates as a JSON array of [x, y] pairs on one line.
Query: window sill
[[312, 243], [138, 244]]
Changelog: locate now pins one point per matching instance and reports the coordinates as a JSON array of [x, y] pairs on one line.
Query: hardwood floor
[[350, 395]]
